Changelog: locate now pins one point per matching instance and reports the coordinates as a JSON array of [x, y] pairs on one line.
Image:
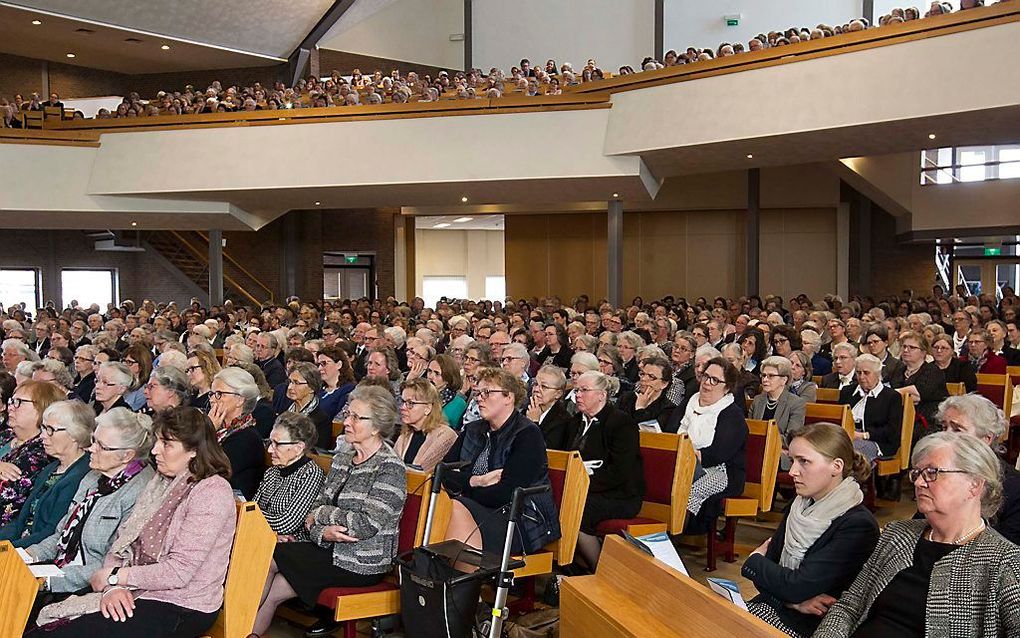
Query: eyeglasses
[[84, 359], [270, 444], [486, 392], [130, 362], [548, 387], [770, 375], [508, 359], [580, 391], [353, 416], [193, 368], [296, 382], [908, 346], [105, 448], [412, 402], [648, 377], [15, 402], [606, 362], [219, 394], [931, 474], [50, 430], [709, 380], [941, 348], [779, 340], [323, 364], [473, 359]]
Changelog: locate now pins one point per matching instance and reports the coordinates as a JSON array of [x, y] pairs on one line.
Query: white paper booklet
[[728, 590]]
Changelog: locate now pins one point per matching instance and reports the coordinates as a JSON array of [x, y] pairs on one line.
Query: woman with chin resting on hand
[[163, 576], [648, 405], [824, 537]]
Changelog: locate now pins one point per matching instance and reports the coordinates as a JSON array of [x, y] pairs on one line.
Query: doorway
[[349, 276]]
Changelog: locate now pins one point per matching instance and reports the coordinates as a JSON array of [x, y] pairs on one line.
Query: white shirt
[[858, 409], [844, 381]]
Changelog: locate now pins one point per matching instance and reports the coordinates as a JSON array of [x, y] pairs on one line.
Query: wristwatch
[[113, 578]]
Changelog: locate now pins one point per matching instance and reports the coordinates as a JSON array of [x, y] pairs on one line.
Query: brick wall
[[76, 81], [897, 266], [19, 75]]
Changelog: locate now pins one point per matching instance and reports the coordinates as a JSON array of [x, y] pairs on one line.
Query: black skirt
[[309, 569], [492, 523], [598, 508]]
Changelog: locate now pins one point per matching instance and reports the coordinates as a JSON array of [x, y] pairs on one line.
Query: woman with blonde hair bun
[[823, 540]]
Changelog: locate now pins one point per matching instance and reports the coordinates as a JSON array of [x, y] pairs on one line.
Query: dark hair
[[7, 386], [338, 355], [790, 333], [450, 371], [759, 342], [113, 354], [832, 442], [877, 330], [196, 433], [300, 354], [730, 375]]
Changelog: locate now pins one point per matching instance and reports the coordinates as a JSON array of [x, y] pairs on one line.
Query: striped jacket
[[974, 590], [368, 500]]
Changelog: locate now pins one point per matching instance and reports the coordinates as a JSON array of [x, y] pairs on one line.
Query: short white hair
[[396, 334], [174, 359], [240, 381]]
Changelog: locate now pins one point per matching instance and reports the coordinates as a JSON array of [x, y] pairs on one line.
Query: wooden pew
[[668, 461], [632, 595], [830, 413], [898, 463], [254, 542], [17, 592], [995, 388], [827, 395], [956, 389], [1013, 430]]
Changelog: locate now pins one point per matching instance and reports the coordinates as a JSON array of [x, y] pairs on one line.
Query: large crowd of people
[[380, 87], [127, 432]]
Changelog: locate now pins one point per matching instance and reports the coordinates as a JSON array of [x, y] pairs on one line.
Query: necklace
[[770, 403], [966, 536]]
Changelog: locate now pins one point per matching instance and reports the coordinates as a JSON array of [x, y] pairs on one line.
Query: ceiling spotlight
[[931, 136], [443, 225], [461, 220], [464, 199], [71, 55], [318, 203], [750, 156], [165, 47], [36, 22], [134, 223], [615, 195]]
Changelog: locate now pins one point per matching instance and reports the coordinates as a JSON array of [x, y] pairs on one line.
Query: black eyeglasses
[[50, 430], [931, 474], [16, 402], [270, 444], [710, 380], [485, 393], [218, 394], [106, 448], [193, 368]]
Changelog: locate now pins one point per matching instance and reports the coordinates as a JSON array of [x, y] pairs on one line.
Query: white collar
[[874, 392]]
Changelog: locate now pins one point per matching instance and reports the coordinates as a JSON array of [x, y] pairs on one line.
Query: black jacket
[[86, 388], [959, 372], [883, 416], [274, 371], [556, 426], [659, 410], [615, 440], [247, 460], [560, 359], [831, 381], [892, 372], [829, 566]]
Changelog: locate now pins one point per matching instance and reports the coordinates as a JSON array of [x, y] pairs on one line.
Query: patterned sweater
[[367, 499], [974, 590], [286, 494]]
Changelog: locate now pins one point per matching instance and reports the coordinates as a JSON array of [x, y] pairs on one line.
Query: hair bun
[[861, 468]]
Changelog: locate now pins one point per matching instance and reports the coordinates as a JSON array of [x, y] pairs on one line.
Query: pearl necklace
[[972, 532]]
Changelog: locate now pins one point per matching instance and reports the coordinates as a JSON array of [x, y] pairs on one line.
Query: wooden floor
[[749, 536]]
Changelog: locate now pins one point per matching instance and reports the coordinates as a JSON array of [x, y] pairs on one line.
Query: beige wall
[[475, 254], [690, 253]]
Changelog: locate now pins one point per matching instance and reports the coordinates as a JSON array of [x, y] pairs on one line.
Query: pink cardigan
[[437, 443], [196, 551]]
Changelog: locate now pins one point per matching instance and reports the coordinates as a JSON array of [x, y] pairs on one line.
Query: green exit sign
[[732, 20], [993, 252], [351, 259]]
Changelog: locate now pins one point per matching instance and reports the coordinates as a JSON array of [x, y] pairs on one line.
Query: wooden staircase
[[188, 251]]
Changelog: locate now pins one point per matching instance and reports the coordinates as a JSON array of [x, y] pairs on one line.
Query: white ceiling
[[266, 27]]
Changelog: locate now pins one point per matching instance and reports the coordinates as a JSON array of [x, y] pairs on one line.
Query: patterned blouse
[[30, 458]]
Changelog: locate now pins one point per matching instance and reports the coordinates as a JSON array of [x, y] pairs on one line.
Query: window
[[495, 288], [970, 164], [88, 287], [19, 287], [432, 288]]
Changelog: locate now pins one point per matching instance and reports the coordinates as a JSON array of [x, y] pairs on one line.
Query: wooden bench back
[[17, 592], [570, 491], [830, 413], [764, 446], [668, 461]]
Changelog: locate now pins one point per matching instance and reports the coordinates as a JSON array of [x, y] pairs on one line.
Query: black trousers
[[152, 619]]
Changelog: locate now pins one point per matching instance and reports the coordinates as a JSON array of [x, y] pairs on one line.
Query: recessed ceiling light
[[443, 225], [464, 199], [615, 195], [750, 156], [36, 22], [931, 136], [461, 220], [318, 203], [71, 55], [134, 223], [165, 47]]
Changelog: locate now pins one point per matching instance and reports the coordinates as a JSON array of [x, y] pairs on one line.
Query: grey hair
[[382, 406], [585, 359], [134, 429], [555, 373], [987, 419], [972, 456], [61, 375], [243, 383], [298, 428], [396, 334], [26, 368], [849, 349], [121, 374], [87, 351], [609, 385], [707, 351], [781, 364], [271, 340], [242, 353], [21, 347], [78, 418], [516, 350], [309, 373], [811, 340], [630, 337], [173, 379], [868, 362], [650, 351], [172, 358]]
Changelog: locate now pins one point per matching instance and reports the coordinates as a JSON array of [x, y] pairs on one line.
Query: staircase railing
[[203, 259], [270, 295]]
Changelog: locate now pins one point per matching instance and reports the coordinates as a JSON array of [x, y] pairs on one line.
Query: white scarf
[[699, 421], [809, 519]]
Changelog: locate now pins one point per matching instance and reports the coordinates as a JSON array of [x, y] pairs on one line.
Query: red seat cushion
[[327, 597], [659, 466], [784, 478], [558, 478], [755, 456], [617, 525]]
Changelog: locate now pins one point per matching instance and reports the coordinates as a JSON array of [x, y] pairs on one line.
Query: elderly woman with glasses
[[303, 387], [948, 573], [85, 372], [953, 368], [119, 469], [800, 376], [66, 435], [113, 381], [23, 454], [425, 437], [975, 415], [684, 383], [777, 403], [718, 432], [649, 404], [546, 408], [922, 380], [876, 342], [167, 388], [503, 450], [337, 379], [353, 522], [293, 480], [232, 397]]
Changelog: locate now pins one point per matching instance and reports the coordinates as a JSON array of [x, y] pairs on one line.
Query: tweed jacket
[[974, 590], [98, 534]]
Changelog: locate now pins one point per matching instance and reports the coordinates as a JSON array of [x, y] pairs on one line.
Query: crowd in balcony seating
[[126, 430], [395, 87]]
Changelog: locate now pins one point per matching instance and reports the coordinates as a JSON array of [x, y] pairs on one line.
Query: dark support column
[[660, 37], [291, 255], [753, 229], [215, 267], [614, 242], [45, 68], [468, 29], [868, 11], [299, 59], [410, 274], [864, 245]]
